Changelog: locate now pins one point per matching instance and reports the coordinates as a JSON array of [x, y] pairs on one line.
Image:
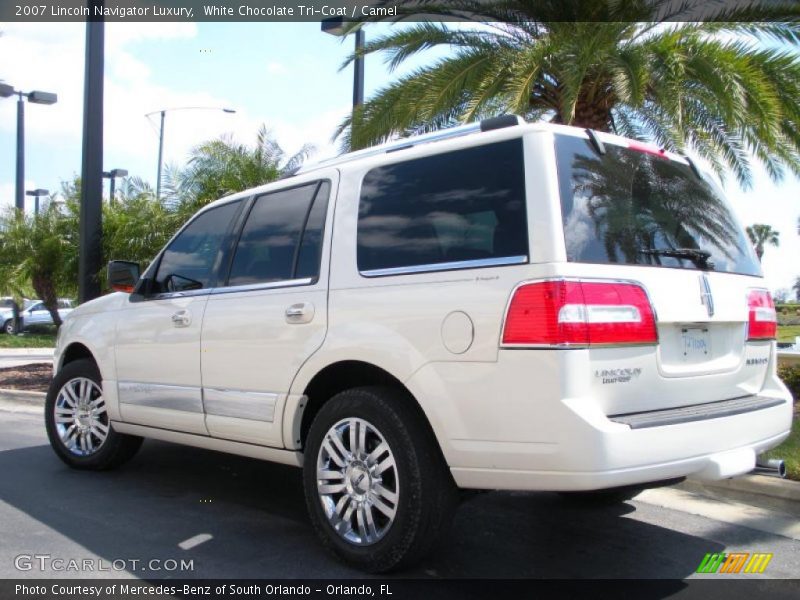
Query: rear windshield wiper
[[701, 258]]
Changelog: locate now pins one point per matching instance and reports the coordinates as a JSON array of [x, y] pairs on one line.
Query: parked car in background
[[33, 314]]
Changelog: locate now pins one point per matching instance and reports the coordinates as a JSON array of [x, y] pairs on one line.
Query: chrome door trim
[[253, 406], [254, 287], [155, 395], [448, 266]]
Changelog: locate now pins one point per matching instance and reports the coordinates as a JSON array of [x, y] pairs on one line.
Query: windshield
[[635, 208]]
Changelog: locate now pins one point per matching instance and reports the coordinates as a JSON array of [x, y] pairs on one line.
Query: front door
[[270, 315], [158, 332]]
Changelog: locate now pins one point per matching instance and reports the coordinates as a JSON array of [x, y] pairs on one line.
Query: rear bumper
[[719, 465], [498, 432]]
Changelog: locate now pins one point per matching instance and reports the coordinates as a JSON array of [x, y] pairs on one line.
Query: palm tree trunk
[[46, 290]]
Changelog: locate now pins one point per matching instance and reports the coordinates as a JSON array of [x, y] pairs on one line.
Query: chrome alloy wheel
[[357, 481], [80, 416]]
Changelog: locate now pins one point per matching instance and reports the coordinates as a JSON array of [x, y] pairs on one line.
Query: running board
[[285, 457]]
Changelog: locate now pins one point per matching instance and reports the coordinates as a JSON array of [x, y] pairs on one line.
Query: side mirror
[[123, 275]]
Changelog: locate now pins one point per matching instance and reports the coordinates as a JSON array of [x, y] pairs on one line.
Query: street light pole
[[335, 26], [20, 190], [358, 74], [37, 193], [160, 154], [36, 97], [112, 176], [90, 251], [163, 113]]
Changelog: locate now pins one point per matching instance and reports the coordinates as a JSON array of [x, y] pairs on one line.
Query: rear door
[[635, 213], [270, 314]]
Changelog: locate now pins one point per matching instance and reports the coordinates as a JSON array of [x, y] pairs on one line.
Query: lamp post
[[111, 176], [36, 194], [35, 97], [335, 26], [163, 114]]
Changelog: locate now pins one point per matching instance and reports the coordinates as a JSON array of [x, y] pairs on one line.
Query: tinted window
[[311, 247], [635, 208], [270, 238], [460, 206], [189, 262], [6, 303]]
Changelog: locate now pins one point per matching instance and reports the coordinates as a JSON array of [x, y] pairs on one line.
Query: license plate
[[696, 344]]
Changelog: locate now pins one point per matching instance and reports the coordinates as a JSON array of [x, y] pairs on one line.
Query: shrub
[[790, 374]]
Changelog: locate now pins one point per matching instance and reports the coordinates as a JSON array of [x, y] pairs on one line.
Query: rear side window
[[632, 207], [281, 239], [445, 211]]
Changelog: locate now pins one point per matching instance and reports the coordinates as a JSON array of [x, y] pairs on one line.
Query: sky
[[283, 75]]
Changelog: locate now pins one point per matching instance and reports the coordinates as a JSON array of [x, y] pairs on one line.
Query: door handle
[[182, 318], [302, 312]]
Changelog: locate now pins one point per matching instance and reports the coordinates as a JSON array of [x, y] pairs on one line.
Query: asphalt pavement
[[235, 517]]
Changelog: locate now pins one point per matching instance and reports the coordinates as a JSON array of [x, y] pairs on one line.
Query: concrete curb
[[27, 351], [755, 490], [23, 397]]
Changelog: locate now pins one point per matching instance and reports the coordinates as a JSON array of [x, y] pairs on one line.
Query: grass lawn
[[789, 451], [28, 340], [787, 333]]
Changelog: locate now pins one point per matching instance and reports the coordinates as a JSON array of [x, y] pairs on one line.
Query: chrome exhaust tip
[[774, 467]]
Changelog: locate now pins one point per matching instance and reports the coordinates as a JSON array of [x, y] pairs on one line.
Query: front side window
[[190, 261], [281, 239], [458, 207]]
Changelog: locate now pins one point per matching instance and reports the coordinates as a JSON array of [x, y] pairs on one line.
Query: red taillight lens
[[557, 313], [762, 321]]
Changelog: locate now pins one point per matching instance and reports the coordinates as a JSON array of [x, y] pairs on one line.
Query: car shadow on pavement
[[256, 513]]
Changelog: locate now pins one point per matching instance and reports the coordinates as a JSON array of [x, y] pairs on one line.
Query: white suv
[[504, 305]]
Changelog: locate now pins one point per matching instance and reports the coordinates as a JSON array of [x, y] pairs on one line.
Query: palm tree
[[35, 254], [630, 67], [760, 235], [223, 166]]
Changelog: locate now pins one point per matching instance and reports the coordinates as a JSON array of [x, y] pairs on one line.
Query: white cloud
[[276, 68]]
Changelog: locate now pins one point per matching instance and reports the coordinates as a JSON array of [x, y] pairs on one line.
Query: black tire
[[8, 327], [114, 450], [426, 494]]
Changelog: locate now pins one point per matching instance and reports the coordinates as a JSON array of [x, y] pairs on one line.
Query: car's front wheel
[[77, 420], [377, 489]]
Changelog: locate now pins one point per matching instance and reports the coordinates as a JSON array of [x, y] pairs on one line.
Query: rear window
[[635, 208], [461, 209]]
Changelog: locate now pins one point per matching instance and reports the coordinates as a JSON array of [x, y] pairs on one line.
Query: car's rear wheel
[[77, 420], [8, 327], [377, 489]]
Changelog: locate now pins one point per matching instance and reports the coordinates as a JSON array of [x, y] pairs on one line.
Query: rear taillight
[[570, 313], [762, 322]]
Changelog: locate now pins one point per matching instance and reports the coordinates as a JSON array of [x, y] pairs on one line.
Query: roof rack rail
[[490, 124]]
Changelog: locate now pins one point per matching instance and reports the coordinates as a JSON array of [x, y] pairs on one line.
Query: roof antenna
[[598, 144]]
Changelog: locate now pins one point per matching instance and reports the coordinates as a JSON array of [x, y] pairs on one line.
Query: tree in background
[[37, 251], [760, 235], [223, 166], [796, 288], [726, 90]]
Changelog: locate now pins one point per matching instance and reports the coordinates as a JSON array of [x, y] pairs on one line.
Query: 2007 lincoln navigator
[[501, 305]]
